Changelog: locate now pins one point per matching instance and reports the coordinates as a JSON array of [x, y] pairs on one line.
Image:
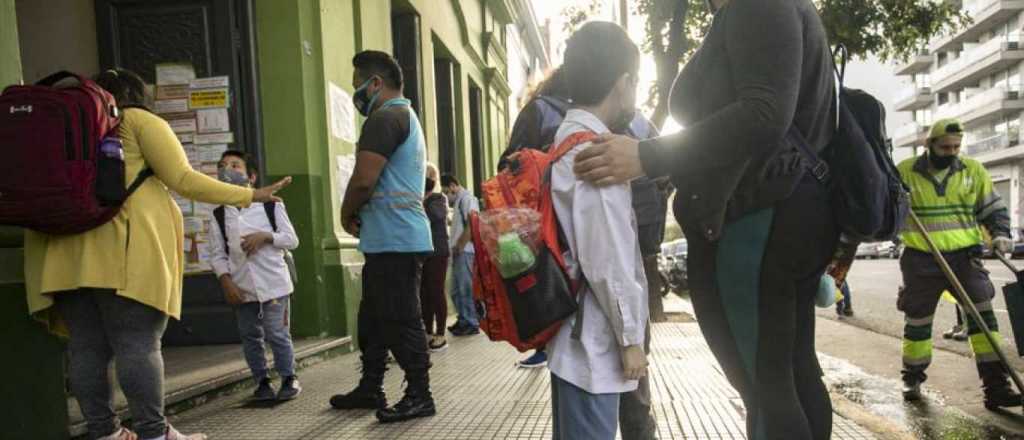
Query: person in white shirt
[[599, 353], [247, 249]]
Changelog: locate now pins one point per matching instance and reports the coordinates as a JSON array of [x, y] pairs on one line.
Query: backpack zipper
[[85, 132], [69, 149]]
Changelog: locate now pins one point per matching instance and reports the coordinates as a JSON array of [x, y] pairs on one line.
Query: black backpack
[[869, 199]]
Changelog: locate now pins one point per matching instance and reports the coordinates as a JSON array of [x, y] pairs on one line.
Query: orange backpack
[[528, 309]]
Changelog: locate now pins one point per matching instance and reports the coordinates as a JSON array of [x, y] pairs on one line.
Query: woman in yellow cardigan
[[112, 289]]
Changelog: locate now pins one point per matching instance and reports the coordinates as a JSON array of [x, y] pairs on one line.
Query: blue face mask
[[362, 102]]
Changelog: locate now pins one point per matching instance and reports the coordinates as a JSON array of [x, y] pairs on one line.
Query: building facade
[[288, 66], [974, 75]]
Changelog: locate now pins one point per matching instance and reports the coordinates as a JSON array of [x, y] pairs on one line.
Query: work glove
[[1003, 245]]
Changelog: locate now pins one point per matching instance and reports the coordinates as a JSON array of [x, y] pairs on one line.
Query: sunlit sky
[[552, 9]]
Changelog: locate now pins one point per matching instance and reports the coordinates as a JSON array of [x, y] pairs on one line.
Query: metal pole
[[965, 300], [624, 14]]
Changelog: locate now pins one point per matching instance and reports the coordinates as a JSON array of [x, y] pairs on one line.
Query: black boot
[[412, 406], [912, 385], [368, 395], [996, 385]]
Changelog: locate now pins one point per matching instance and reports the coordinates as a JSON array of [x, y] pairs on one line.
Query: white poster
[[214, 138], [211, 153], [213, 120], [212, 82], [343, 121], [165, 106], [346, 165], [174, 73]]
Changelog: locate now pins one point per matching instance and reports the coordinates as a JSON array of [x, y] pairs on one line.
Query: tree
[[889, 29]]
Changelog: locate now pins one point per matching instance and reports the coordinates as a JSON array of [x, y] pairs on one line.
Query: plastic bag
[[512, 239]]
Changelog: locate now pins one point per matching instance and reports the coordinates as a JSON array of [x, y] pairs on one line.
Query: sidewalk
[[481, 395]]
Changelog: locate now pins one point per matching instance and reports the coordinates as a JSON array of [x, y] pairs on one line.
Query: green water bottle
[[514, 256]]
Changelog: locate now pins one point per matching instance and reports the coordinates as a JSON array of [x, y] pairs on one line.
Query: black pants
[[390, 319], [753, 292]]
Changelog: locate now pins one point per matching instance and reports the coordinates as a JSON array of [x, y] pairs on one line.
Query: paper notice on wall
[[208, 98], [185, 138], [174, 91], [194, 225], [174, 73], [213, 82], [214, 138], [211, 153], [183, 125], [213, 120], [346, 164], [165, 106], [343, 122]]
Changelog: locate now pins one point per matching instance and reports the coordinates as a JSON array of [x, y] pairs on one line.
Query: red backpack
[[528, 309], [61, 174]]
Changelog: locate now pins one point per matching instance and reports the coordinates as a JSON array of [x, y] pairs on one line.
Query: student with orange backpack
[[599, 353]]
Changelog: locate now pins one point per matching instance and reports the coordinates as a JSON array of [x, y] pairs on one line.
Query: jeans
[[105, 327], [847, 302], [390, 319], [462, 289], [270, 322], [579, 415]]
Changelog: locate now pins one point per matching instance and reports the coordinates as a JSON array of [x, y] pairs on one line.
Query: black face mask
[[940, 162], [430, 184]]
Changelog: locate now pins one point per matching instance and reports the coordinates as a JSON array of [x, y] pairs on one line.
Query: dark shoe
[[537, 360], [467, 331], [1001, 398], [457, 327], [410, 407], [290, 388], [848, 312], [911, 390], [360, 399], [960, 336], [953, 331], [264, 392]]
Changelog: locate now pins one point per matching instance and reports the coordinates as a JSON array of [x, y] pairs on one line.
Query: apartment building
[[974, 75]]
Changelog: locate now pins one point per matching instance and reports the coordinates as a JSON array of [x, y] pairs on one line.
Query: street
[[861, 357], [874, 285]]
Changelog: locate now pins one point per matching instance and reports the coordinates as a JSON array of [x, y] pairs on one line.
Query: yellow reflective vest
[[953, 208]]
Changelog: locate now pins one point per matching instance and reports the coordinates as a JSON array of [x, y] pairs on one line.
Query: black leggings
[[753, 293]]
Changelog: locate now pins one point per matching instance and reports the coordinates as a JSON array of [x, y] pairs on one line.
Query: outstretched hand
[[267, 193]]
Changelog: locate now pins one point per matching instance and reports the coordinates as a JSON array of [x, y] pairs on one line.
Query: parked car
[[884, 249]]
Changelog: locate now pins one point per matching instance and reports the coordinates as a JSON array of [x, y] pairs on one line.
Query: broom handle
[[1006, 262], [965, 300]]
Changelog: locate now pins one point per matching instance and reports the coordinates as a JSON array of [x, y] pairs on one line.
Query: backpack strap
[[815, 165], [139, 180], [574, 140], [218, 215], [269, 207]]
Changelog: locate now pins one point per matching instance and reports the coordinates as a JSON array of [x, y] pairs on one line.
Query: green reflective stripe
[[940, 214], [980, 344], [917, 350], [950, 226], [941, 207], [947, 241], [917, 333]]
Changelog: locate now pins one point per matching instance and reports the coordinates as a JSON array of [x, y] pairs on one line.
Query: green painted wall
[[34, 368]]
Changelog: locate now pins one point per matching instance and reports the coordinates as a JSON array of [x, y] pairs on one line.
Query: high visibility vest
[[950, 208]]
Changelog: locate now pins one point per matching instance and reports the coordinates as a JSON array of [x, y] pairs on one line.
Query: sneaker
[[457, 326], [537, 360], [264, 392], [438, 343], [121, 434], [290, 388], [410, 407], [953, 331], [173, 434], [960, 336], [848, 312], [360, 399]]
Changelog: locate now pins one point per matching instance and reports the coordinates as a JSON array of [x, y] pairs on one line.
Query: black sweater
[[764, 66]]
